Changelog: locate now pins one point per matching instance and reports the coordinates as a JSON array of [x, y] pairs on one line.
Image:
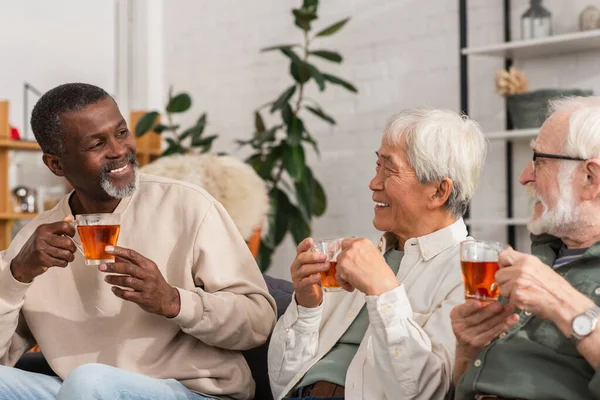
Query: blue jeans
[[90, 381]]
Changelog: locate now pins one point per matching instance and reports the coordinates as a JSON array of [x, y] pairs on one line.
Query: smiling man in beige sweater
[[168, 319]]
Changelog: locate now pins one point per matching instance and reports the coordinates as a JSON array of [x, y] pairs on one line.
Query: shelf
[[5, 216], [497, 221], [19, 145], [513, 134], [151, 152], [550, 46]]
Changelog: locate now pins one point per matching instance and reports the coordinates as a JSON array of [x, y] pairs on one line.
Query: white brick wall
[[399, 53]]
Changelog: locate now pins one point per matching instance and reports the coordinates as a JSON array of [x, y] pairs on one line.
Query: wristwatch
[[584, 324]]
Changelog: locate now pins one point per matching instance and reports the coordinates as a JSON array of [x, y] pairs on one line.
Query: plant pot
[[529, 110]]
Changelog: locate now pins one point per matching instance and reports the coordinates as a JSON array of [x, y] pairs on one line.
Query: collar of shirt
[[429, 245]]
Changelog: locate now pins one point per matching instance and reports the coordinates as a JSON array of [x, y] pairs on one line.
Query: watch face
[[582, 325]]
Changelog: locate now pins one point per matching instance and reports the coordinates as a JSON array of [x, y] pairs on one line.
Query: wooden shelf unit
[[149, 149]]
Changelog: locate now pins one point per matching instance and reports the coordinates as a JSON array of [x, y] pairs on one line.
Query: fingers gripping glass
[[331, 248], [537, 155]]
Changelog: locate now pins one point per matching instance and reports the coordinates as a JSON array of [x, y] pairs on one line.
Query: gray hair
[[441, 144], [583, 137]]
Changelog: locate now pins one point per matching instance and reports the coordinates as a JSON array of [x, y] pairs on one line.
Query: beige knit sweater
[[76, 319]]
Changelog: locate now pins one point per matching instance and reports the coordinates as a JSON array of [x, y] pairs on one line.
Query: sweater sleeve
[[15, 338], [230, 307]]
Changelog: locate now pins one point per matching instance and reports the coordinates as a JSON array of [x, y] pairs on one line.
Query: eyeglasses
[[537, 155]]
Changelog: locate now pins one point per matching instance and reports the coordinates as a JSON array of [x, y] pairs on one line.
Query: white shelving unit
[[551, 46], [577, 42]]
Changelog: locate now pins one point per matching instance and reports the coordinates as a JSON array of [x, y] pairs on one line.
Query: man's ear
[[443, 189], [54, 164], [591, 185]]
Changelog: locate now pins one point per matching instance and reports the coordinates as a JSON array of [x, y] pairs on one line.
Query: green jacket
[[534, 360]]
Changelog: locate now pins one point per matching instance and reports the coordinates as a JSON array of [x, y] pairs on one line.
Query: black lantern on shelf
[[536, 22]]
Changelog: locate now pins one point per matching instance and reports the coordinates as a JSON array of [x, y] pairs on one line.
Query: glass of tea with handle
[[331, 248], [97, 231], [479, 264]]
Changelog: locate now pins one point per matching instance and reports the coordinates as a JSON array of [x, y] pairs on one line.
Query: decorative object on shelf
[[528, 109], [190, 140], [589, 18], [14, 133], [536, 22], [49, 196], [278, 151], [512, 81], [24, 200], [232, 182]]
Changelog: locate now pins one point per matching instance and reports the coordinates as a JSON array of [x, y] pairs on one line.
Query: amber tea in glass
[[331, 247], [479, 263], [97, 231]]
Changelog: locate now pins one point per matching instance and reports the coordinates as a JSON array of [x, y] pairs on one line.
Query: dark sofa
[[280, 289]]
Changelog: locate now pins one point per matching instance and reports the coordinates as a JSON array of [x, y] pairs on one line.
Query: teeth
[[381, 204], [119, 169]]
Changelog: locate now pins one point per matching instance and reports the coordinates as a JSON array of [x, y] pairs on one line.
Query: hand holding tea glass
[[305, 271], [97, 231], [532, 286], [50, 245], [141, 282], [479, 264], [361, 266]]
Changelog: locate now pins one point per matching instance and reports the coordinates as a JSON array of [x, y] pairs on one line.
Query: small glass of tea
[[331, 247], [96, 232], [479, 263]]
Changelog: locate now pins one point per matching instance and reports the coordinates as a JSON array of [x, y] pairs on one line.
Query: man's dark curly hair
[[45, 117]]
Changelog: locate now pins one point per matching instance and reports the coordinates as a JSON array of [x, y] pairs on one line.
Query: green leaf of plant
[[255, 161], [190, 131], [294, 131], [145, 123], [266, 168], [201, 124], [300, 71], [319, 199], [317, 76], [341, 82], [264, 257], [291, 54], [266, 136], [331, 29], [308, 138], [180, 103], [200, 141], [328, 55], [287, 113], [283, 98], [303, 18], [159, 128], [304, 193], [297, 224], [279, 47], [173, 148], [310, 4], [293, 161], [259, 124], [321, 114]]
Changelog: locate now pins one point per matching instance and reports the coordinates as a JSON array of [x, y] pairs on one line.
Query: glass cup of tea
[[479, 263], [331, 248], [96, 232]]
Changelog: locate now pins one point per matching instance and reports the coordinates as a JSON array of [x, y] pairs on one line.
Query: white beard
[[565, 215], [120, 193]]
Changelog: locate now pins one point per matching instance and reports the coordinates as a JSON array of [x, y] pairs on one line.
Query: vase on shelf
[[536, 22]]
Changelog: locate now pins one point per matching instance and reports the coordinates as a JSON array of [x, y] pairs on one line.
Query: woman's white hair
[[583, 136], [441, 144]]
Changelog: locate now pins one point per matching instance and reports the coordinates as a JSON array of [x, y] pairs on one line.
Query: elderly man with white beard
[[543, 341]]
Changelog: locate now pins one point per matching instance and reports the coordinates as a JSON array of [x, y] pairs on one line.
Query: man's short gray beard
[[565, 216], [120, 193]]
